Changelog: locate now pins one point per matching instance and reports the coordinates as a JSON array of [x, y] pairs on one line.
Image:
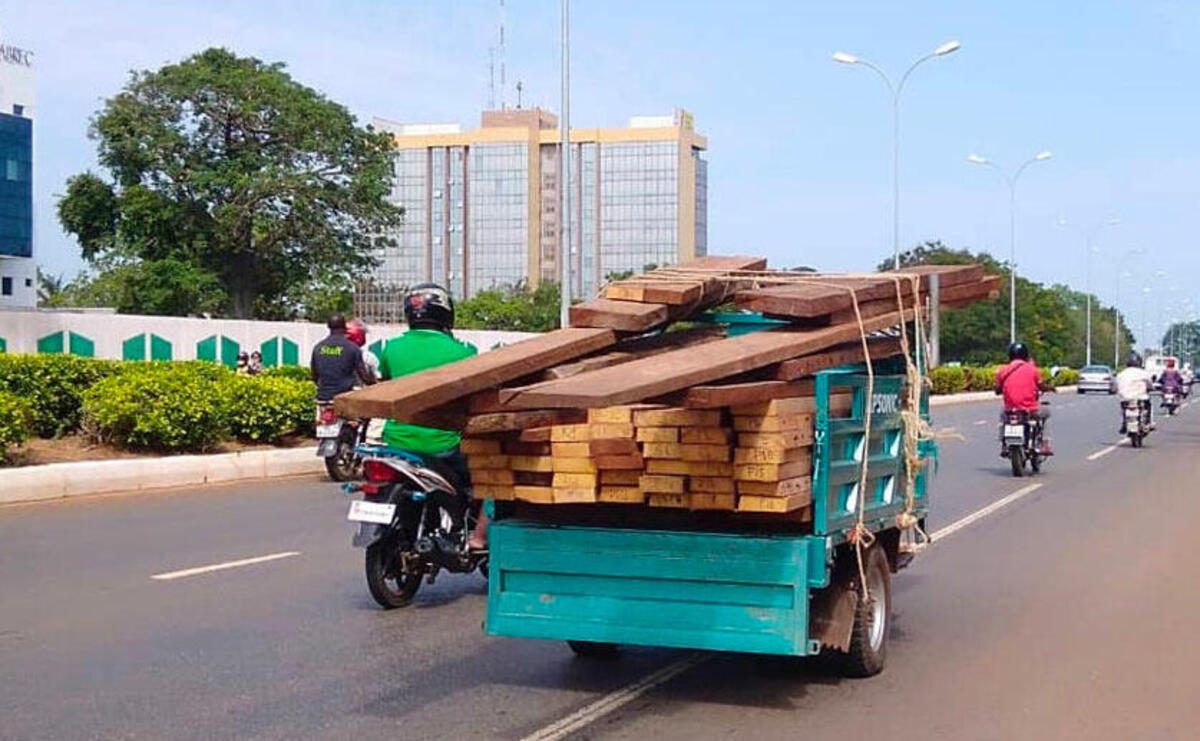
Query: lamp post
[[895, 89], [564, 182], [1088, 237], [976, 159], [1121, 273]]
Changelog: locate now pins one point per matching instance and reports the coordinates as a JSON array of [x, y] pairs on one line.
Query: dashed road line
[[170, 575], [979, 514]]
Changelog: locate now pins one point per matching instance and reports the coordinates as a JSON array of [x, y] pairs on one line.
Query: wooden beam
[[736, 394], [639, 347], [852, 352], [622, 316], [663, 374], [402, 398], [486, 424]]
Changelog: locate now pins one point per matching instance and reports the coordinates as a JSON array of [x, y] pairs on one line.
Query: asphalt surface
[[1069, 613]]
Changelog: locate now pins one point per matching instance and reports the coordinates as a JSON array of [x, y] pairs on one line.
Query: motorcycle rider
[[243, 364], [1171, 380], [1021, 384], [356, 332], [428, 343], [1133, 386], [337, 363]]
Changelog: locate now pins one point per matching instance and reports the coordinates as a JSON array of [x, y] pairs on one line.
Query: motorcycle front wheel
[[389, 584]]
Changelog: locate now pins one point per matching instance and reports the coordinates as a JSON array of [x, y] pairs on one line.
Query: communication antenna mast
[[491, 78], [520, 87], [503, 72]]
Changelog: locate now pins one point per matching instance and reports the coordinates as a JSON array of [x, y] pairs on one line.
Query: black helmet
[[1018, 350], [1133, 361], [429, 306]]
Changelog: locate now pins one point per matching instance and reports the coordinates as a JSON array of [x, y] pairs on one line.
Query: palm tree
[[50, 287]]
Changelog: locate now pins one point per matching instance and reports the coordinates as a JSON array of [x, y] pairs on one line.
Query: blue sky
[[799, 147]]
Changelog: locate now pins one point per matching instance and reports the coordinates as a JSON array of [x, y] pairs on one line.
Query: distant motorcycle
[[1021, 435], [337, 440], [1137, 421], [1170, 402], [407, 524]]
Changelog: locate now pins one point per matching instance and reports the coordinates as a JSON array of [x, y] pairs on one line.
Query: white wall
[[21, 330], [23, 272]]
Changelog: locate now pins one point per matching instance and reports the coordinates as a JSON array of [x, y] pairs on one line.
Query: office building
[[18, 271], [482, 206]]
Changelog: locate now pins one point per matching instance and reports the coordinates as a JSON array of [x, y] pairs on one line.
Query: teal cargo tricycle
[[600, 577]]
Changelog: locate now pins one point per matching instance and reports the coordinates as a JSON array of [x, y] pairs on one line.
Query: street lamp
[[1088, 236], [976, 159], [1121, 273], [895, 89]]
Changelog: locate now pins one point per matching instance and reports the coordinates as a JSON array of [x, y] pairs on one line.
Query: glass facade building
[[16, 186], [482, 207]]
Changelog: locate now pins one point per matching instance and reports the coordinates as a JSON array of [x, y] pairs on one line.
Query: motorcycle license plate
[[1017, 431], [332, 430], [377, 512]]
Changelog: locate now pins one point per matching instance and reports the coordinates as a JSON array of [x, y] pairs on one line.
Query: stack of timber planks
[[624, 410]]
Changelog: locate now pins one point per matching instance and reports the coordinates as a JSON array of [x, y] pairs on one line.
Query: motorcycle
[[1137, 421], [407, 525], [337, 440], [1170, 402], [1021, 436]]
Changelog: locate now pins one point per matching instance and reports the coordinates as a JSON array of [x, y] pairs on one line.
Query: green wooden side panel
[[206, 349], [229, 352], [3, 345], [51, 344], [160, 349], [270, 352], [291, 352], [134, 348], [711, 591], [82, 346]]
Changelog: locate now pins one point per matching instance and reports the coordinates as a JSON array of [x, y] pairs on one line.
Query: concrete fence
[[103, 334]]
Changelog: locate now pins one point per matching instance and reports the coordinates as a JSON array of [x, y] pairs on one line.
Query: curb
[[81, 478], [975, 396]]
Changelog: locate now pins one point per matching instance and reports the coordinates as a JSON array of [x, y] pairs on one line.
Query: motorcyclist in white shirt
[[1134, 385]]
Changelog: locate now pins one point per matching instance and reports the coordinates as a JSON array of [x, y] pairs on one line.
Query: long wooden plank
[[486, 424], [621, 317], [681, 369], [401, 399], [734, 394], [789, 370], [638, 347], [985, 290]]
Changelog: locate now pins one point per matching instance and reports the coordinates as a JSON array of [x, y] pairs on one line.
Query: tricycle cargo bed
[[711, 591]]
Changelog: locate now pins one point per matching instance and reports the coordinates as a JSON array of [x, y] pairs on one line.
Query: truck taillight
[[379, 472]]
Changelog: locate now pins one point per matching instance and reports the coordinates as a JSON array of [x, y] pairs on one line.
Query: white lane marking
[[1101, 453], [612, 701], [222, 566], [981, 422], [979, 514]]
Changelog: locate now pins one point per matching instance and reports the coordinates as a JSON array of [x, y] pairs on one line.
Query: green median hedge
[[164, 406], [951, 379]]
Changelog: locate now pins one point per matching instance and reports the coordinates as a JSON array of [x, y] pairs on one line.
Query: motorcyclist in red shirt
[[1021, 384]]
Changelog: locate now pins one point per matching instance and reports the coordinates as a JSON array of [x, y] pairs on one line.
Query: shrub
[[294, 372], [52, 385], [981, 378], [948, 379], [15, 417], [159, 406], [264, 409], [1066, 377]]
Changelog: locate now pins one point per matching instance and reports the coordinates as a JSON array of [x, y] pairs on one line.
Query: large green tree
[[224, 171], [516, 309], [1050, 320]]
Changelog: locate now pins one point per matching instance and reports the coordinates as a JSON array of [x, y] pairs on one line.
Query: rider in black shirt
[[337, 363]]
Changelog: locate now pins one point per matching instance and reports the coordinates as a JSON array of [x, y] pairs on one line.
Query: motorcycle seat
[[383, 451]]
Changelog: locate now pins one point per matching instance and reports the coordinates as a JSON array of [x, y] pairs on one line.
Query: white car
[[1098, 378]]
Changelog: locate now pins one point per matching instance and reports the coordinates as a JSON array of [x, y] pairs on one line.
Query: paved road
[[1070, 613]]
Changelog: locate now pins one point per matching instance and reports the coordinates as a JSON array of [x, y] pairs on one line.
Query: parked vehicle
[[597, 578], [407, 526], [1021, 437], [337, 440], [1097, 378], [1137, 421]]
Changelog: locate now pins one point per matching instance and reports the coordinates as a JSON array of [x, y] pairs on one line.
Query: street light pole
[[564, 183], [976, 159], [1117, 303], [1089, 236], [895, 89]]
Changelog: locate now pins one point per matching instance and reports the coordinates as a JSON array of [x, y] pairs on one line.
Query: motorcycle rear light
[[379, 472], [369, 490], [327, 415]]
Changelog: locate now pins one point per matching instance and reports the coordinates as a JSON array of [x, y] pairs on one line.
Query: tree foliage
[[515, 309], [226, 178], [1050, 320]]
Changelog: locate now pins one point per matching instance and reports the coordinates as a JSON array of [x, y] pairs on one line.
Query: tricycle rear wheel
[[872, 619]]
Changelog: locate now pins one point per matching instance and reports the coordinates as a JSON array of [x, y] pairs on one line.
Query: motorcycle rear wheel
[[389, 584], [343, 465], [1016, 456]]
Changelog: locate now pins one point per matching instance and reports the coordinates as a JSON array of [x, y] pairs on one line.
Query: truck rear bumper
[[711, 591]]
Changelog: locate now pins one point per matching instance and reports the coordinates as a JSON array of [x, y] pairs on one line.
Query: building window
[[6, 286], [29, 282], [18, 109]]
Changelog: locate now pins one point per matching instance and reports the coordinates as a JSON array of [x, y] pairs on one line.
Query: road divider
[[196, 571]]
